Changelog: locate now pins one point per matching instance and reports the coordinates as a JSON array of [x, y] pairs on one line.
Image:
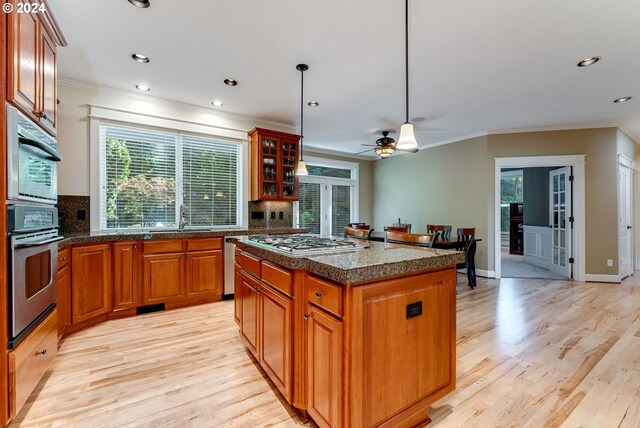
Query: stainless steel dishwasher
[[229, 268]]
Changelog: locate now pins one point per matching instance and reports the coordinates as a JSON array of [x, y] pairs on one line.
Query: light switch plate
[[609, 263]]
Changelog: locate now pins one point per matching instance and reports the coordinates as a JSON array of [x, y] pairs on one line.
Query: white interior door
[[559, 214], [624, 222]]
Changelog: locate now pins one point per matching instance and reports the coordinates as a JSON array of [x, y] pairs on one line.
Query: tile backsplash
[[73, 212], [270, 214]]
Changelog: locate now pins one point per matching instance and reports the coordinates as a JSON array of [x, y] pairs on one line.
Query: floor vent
[[149, 308]]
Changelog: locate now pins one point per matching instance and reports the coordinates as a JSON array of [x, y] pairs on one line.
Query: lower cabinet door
[[125, 275], [249, 289], [90, 281], [204, 274], [163, 280], [275, 339], [324, 368], [237, 296], [64, 300]]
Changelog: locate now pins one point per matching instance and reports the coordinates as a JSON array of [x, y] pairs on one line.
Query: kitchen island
[[360, 338]]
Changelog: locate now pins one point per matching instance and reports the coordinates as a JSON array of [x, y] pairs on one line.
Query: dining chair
[[466, 242], [406, 228], [417, 239], [444, 230], [352, 232], [363, 226]]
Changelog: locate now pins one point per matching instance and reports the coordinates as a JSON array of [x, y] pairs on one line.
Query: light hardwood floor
[[530, 353]]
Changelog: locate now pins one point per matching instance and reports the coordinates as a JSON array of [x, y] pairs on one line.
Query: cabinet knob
[[307, 316], [318, 294], [258, 290], [43, 352], [135, 246], [64, 259]]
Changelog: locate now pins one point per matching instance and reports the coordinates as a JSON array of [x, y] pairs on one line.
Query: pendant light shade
[[407, 139], [302, 167]]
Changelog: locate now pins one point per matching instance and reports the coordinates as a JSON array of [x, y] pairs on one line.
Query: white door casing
[[624, 222], [560, 213]]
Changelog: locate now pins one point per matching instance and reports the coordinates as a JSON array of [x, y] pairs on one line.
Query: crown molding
[[107, 90], [51, 26]]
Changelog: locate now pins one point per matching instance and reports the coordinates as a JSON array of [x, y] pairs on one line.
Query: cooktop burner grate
[[298, 244]]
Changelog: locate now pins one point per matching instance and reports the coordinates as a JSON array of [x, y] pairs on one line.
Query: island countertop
[[377, 260], [80, 238]]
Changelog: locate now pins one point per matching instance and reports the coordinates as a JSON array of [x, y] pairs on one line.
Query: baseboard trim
[[227, 296], [486, 273], [602, 278]]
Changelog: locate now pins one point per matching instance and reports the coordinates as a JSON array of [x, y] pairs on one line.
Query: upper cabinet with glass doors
[[32, 78], [274, 158]]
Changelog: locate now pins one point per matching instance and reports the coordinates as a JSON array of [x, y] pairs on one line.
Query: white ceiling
[[475, 66]]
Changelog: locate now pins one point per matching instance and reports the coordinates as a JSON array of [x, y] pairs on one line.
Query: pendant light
[[407, 139], [302, 167]]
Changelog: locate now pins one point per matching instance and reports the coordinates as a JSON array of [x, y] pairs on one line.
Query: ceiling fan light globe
[[302, 168], [407, 139], [384, 151]]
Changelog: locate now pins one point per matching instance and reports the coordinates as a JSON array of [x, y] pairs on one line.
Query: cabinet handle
[[258, 290], [64, 259], [109, 248], [307, 316], [318, 294], [182, 257], [43, 352]]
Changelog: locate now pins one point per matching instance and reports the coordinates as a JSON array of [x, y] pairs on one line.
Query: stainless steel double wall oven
[[32, 190]]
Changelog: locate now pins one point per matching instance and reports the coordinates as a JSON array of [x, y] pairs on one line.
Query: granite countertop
[[378, 260], [78, 238]]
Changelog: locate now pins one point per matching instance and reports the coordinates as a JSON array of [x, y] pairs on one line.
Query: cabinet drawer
[[276, 277], [250, 264], [203, 244], [30, 360], [325, 295], [163, 246], [63, 258]]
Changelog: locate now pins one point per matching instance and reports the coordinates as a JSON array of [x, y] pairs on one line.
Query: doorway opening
[[536, 222], [549, 241]]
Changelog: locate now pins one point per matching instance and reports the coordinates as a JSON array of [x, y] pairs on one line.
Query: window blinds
[[309, 207], [146, 175]]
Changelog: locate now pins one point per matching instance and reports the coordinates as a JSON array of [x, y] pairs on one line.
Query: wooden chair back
[[465, 236], [363, 226], [418, 239], [404, 229], [352, 232], [444, 230]]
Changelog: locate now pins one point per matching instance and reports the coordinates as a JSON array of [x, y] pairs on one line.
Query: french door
[[560, 220], [624, 222], [326, 205]]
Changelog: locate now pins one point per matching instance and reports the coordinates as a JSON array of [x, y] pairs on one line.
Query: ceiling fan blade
[[369, 145], [364, 151], [409, 150]]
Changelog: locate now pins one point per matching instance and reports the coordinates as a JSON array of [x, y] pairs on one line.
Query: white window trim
[[99, 115], [354, 181]]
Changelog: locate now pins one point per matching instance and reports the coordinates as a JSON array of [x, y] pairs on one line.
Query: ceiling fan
[[385, 146]]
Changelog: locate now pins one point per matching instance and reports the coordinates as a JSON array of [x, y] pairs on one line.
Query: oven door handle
[[37, 244], [54, 155]]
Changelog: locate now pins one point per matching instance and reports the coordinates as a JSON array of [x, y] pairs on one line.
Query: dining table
[[446, 245]]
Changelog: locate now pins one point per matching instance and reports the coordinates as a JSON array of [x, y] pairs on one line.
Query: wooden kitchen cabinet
[[64, 300], [91, 281], [204, 274], [32, 80], [324, 368], [275, 338], [163, 278], [125, 275], [249, 290], [274, 159]]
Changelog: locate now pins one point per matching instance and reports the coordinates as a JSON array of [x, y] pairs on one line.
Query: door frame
[[634, 206], [578, 239]]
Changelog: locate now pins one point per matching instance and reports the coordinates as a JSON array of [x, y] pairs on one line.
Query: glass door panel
[[269, 167], [340, 208], [310, 207], [560, 212]]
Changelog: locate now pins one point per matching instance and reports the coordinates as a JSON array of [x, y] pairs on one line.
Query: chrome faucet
[[183, 217]]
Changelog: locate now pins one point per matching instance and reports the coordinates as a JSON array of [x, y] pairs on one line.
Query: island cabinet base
[[372, 354]]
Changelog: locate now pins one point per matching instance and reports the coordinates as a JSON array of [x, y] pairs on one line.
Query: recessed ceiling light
[[217, 103], [622, 100], [313, 104], [140, 58], [588, 61], [140, 3], [143, 88], [230, 82]]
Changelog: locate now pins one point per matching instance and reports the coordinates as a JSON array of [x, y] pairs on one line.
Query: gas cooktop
[[305, 244]]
